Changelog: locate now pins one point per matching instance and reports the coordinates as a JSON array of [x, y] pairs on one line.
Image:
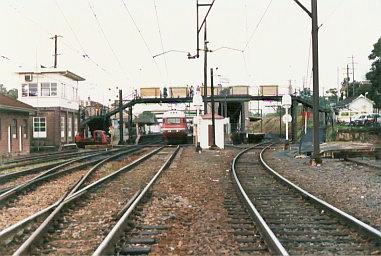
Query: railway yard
[[172, 200]]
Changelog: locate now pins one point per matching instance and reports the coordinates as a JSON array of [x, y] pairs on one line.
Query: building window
[[14, 129], [48, 89], [45, 89], [24, 90], [69, 126], [33, 90], [75, 125], [63, 92], [63, 128], [53, 89], [39, 127]]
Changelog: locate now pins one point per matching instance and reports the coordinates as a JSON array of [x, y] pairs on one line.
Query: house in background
[[54, 93], [350, 107], [14, 126]]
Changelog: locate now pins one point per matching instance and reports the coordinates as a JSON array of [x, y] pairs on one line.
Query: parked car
[[372, 119], [359, 119]]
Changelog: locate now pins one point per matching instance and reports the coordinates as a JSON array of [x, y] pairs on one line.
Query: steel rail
[[42, 159], [12, 175], [356, 223], [37, 156], [105, 248], [359, 162], [271, 240], [39, 232], [8, 233], [46, 174]]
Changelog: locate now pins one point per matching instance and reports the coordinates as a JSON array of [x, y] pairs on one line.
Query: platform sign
[[286, 118], [286, 104], [286, 101]]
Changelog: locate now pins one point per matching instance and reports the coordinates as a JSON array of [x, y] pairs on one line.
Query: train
[[98, 137], [174, 127]]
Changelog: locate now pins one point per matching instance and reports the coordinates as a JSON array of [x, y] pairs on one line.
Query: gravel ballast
[[83, 228], [188, 199], [353, 188]]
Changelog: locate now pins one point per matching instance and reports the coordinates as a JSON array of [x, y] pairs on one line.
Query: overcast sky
[[277, 52]]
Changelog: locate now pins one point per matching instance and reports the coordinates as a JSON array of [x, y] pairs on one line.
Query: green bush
[[236, 138]]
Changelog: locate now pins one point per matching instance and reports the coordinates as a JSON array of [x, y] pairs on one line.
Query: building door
[[210, 135]]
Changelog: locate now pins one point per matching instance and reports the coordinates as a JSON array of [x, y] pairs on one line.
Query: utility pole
[[205, 72], [198, 30], [348, 80], [213, 118], [353, 68], [290, 87], [315, 159], [121, 142], [55, 49]]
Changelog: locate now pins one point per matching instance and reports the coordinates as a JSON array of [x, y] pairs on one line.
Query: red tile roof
[[8, 103]]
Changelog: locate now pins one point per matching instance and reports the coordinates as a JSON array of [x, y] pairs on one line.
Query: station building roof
[[65, 73], [10, 104]]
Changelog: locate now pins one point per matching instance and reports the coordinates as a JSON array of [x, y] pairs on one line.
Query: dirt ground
[[189, 199], [356, 189]]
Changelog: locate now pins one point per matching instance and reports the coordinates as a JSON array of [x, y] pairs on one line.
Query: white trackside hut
[[206, 131]]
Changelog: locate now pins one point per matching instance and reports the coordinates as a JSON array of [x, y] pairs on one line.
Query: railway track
[[92, 208], [21, 182], [24, 164], [35, 156], [39, 193], [291, 220], [15, 234], [10, 180], [364, 163]]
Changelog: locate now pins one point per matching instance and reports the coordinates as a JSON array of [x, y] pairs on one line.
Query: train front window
[[173, 120]]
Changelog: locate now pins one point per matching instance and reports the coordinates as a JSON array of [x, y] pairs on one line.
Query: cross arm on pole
[[207, 13], [303, 7]]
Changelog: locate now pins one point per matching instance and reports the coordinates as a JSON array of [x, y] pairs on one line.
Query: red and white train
[[174, 126]]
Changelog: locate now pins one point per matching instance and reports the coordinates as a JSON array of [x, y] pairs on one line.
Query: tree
[[374, 75], [11, 93], [306, 94], [332, 95]]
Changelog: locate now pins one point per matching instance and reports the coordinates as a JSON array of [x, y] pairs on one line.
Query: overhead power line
[[69, 46], [105, 37], [140, 33], [161, 38], [258, 24], [331, 13]]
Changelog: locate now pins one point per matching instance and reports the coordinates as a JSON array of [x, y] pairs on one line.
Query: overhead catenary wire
[[331, 13], [69, 46], [140, 34], [106, 39], [258, 24], [161, 37]]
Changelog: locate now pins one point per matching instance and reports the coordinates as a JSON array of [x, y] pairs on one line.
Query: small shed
[[206, 130]]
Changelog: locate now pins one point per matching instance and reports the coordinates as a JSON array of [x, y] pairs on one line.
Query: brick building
[[14, 126], [54, 93]]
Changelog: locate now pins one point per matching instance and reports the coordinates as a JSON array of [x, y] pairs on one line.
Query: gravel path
[[84, 227], [37, 199], [188, 199], [353, 188]]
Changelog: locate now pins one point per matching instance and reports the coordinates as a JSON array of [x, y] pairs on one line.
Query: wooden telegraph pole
[[316, 159]]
